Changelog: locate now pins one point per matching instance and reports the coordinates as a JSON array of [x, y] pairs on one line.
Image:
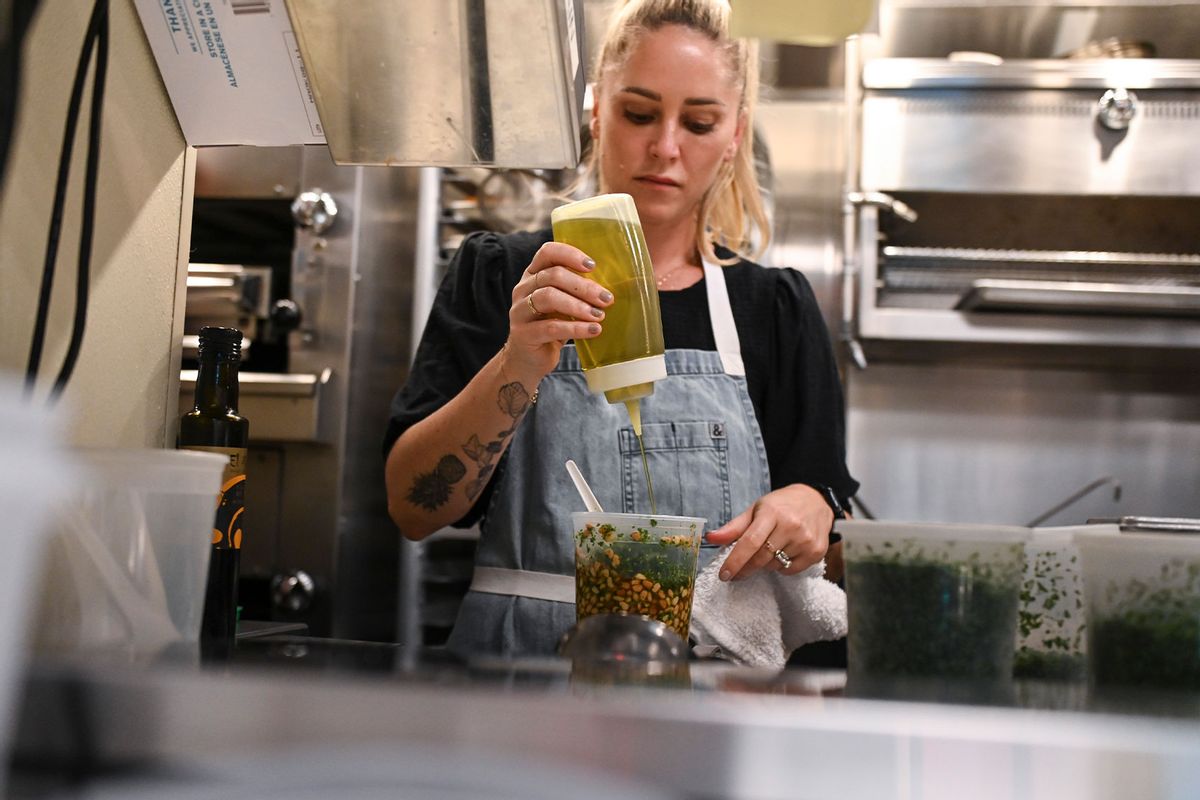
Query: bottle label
[[227, 527]]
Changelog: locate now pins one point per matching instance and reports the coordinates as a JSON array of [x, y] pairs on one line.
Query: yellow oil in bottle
[[632, 325]]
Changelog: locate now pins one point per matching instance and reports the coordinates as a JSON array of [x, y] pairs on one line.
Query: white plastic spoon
[[589, 500]]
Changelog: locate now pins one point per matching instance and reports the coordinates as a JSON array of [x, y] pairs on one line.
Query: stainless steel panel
[[733, 744], [496, 82], [367, 540], [961, 443], [1081, 297], [941, 73], [1043, 141], [280, 407], [803, 135], [1044, 29], [248, 172]]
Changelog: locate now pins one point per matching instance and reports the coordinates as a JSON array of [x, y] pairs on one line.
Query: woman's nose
[[666, 144]]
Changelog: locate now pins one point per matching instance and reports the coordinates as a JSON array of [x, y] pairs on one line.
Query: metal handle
[[314, 210], [1075, 497], [1116, 109], [882, 200], [293, 592]]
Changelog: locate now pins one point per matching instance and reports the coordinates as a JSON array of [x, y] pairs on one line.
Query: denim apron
[[706, 457]]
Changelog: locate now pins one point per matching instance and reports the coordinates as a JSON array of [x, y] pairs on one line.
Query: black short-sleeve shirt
[[790, 369]]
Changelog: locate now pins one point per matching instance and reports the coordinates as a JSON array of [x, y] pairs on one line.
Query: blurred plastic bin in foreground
[[129, 557], [34, 474]]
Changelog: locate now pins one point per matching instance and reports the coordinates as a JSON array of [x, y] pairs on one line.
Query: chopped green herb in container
[[932, 600], [636, 564], [1051, 641], [1143, 599]]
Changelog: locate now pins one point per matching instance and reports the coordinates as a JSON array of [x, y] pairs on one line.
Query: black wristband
[[835, 505]]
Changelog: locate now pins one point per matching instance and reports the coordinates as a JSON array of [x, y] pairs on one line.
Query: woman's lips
[[658, 180]]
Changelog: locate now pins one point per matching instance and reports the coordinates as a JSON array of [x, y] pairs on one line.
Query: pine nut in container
[[636, 564]]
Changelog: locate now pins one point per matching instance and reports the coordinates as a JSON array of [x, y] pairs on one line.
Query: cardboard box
[[233, 71]]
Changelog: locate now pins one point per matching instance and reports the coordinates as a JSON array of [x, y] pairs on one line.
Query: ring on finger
[[532, 307], [783, 559]]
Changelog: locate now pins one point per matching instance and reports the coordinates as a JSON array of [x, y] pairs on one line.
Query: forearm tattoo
[[431, 490]]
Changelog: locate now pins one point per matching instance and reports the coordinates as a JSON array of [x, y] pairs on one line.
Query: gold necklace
[[660, 281]]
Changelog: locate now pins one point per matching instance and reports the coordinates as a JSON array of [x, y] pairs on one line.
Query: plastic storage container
[[1051, 641], [1143, 600], [932, 600], [34, 476], [129, 560], [636, 564], [627, 357]]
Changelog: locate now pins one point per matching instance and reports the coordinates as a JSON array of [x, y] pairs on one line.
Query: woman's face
[[665, 122]]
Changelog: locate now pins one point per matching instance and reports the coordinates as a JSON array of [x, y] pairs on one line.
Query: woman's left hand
[[795, 519]]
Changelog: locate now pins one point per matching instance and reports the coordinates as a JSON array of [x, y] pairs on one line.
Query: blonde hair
[[732, 207]]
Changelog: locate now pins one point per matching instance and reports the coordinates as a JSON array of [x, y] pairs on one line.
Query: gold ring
[[532, 307], [782, 558], [767, 544]]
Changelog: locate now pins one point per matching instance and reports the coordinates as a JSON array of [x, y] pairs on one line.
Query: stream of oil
[[635, 417]]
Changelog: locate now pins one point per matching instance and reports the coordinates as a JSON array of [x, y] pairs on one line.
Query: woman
[[746, 430]]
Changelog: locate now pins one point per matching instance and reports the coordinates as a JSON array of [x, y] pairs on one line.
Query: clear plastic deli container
[[932, 600], [1051, 635], [636, 564], [1143, 601], [129, 559]]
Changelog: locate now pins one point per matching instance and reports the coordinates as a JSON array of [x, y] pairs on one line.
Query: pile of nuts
[[603, 588]]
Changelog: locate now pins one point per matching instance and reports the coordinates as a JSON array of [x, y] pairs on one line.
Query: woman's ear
[[736, 142], [594, 122]]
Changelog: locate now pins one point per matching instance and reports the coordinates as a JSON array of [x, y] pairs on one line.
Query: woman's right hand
[[554, 301]]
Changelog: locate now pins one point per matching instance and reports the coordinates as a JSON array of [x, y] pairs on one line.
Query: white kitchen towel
[[760, 620]]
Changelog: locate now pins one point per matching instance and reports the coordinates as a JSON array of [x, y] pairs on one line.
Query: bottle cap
[[222, 341]]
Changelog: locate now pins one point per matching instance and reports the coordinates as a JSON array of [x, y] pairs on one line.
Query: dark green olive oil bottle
[[215, 426]]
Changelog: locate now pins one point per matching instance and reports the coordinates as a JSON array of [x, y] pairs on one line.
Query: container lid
[[933, 531], [1062, 535], [1131, 542], [626, 373], [663, 521], [602, 206], [152, 470]]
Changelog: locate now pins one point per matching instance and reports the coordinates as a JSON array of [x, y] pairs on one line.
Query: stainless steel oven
[[1039, 201]]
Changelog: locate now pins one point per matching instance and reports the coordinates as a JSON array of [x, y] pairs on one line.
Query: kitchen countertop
[[711, 730]]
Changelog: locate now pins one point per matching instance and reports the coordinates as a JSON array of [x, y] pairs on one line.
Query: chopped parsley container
[[1051, 634], [932, 600], [636, 564], [1143, 601]]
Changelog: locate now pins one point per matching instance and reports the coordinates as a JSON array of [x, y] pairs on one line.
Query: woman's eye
[[700, 127], [639, 119]]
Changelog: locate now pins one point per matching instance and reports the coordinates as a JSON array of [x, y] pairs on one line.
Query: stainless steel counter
[[711, 731]]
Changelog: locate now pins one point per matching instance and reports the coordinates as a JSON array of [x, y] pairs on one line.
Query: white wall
[[125, 387]]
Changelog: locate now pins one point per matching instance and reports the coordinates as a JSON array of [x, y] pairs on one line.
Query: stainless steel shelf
[[940, 73], [282, 407]]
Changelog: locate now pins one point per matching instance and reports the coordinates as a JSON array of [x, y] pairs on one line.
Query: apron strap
[[524, 583], [725, 333]]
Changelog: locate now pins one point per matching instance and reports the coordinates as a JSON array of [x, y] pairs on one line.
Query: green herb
[[1152, 638], [1032, 663], [1050, 638], [920, 616]]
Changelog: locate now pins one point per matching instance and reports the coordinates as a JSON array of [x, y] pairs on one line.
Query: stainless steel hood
[[446, 82]]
